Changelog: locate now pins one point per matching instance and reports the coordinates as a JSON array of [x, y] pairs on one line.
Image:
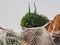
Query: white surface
[[11, 11]]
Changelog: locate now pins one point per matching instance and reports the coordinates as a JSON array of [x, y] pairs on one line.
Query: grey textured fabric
[[38, 36]]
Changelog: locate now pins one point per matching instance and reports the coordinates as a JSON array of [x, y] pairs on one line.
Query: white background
[[11, 11]]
